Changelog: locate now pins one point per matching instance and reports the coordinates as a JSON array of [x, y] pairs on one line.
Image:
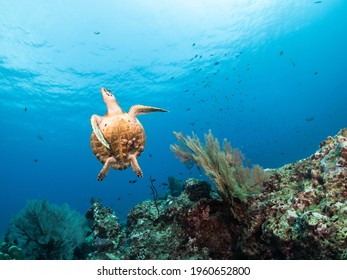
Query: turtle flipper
[[135, 166], [106, 168], [94, 121], [140, 109]]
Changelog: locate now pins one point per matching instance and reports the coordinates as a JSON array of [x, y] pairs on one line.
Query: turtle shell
[[124, 137]]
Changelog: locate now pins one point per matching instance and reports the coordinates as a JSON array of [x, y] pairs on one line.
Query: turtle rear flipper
[[106, 168], [135, 166]]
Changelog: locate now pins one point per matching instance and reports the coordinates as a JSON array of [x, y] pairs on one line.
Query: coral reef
[[301, 213], [197, 189], [185, 229], [10, 252], [45, 231], [175, 186], [106, 234]]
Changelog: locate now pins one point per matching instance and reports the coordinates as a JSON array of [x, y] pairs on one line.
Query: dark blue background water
[[270, 76]]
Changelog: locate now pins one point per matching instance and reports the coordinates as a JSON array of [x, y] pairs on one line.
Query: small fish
[[132, 181], [291, 61], [186, 90], [97, 32], [25, 109], [281, 53], [40, 137], [317, 2], [308, 119], [118, 198], [150, 155], [153, 180], [164, 184], [216, 63], [193, 45], [315, 73], [36, 160]]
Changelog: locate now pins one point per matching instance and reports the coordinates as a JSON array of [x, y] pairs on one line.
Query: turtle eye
[[108, 92]]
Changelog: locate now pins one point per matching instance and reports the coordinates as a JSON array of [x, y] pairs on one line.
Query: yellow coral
[[224, 167]]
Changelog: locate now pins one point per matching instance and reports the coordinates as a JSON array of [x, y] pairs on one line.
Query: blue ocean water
[[270, 76]]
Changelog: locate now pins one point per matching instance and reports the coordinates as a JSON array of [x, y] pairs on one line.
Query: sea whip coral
[[224, 167]]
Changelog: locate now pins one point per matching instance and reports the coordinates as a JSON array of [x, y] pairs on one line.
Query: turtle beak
[[106, 91]]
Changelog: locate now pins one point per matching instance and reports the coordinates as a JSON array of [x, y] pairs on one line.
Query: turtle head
[[111, 102], [107, 94], [107, 91]]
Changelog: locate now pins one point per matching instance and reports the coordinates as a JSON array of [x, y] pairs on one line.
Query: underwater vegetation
[[47, 231], [224, 167], [300, 212]]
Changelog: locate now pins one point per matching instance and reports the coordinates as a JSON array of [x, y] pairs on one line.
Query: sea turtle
[[118, 138]]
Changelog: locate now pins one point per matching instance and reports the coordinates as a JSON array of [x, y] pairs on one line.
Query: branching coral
[[47, 231], [224, 167]]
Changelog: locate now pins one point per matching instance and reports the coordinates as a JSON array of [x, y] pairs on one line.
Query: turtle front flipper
[[95, 121], [140, 109], [135, 166]]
